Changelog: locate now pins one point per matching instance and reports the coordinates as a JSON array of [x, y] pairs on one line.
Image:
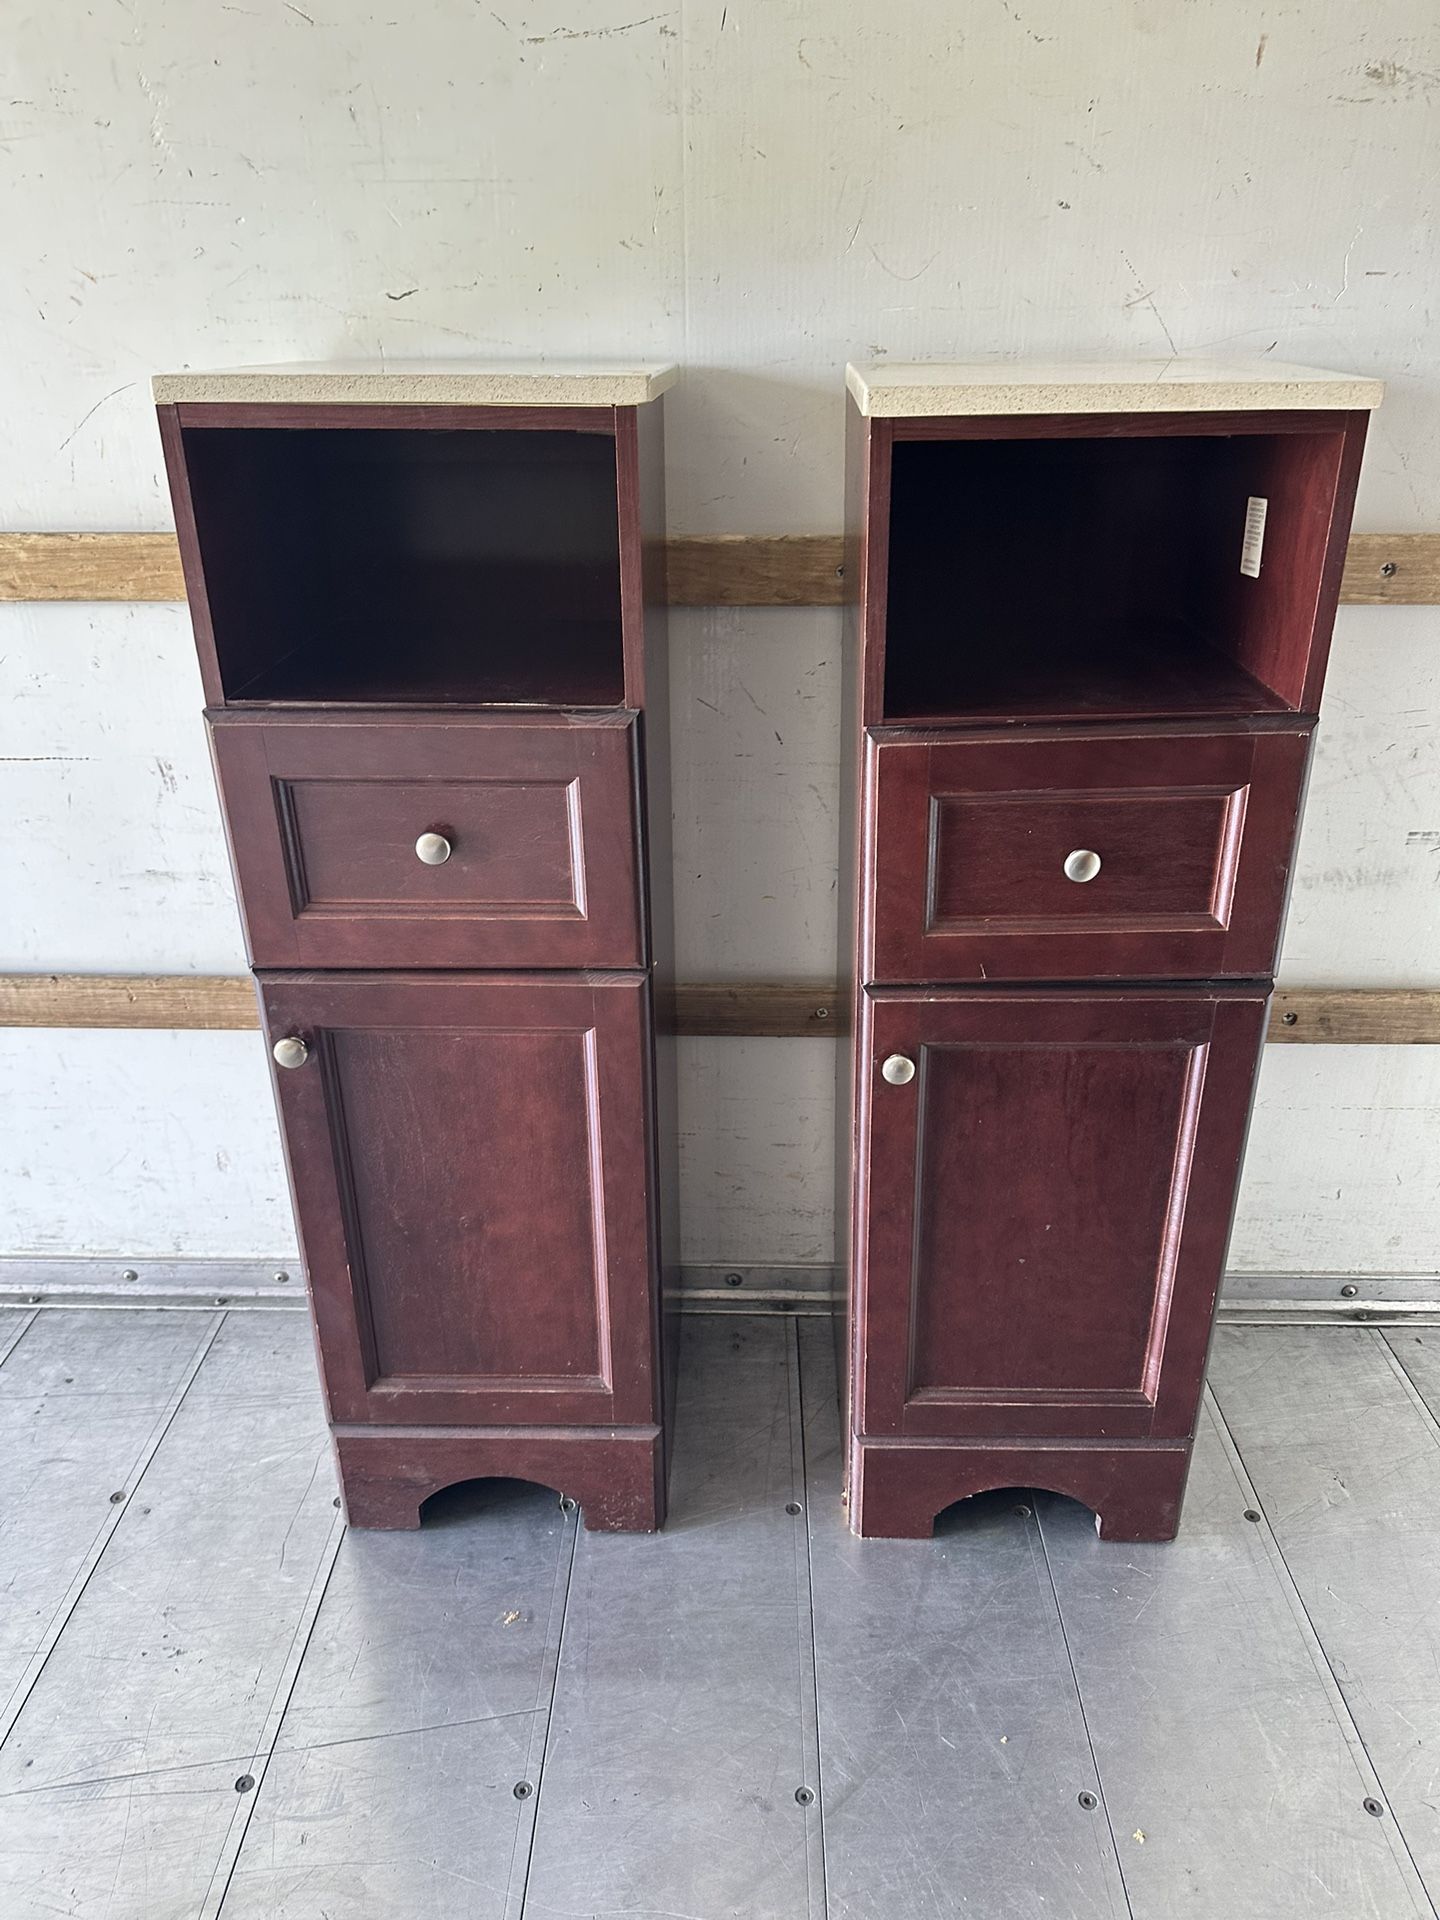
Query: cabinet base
[[898, 1488], [615, 1474]]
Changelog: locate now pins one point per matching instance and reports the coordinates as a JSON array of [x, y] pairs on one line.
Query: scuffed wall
[[759, 191]]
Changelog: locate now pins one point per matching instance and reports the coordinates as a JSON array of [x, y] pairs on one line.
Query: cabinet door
[[1045, 1206], [471, 1162]]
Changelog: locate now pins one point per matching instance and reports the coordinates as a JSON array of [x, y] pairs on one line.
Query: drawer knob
[[291, 1051], [1082, 864], [433, 849], [898, 1069]]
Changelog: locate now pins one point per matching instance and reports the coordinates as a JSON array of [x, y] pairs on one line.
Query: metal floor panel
[[1240, 1692], [952, 1745], [679, 1739], [1232, 1785], [1346, 1466], [419, 1709], [83, 1399], [165, 1686]]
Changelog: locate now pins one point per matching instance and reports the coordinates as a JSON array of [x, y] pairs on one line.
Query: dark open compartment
[[397, 565], [1086, 577]]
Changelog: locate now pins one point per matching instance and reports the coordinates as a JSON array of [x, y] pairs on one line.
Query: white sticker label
[[1254, 536]]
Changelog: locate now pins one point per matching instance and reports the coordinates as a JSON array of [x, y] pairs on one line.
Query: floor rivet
[[1372, 1805], [805, 1795], [1251, 1514], [523, 1789], [245, 1783], [1088, 1800]]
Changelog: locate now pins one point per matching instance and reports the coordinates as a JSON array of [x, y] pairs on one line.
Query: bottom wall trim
[[47, 1280]]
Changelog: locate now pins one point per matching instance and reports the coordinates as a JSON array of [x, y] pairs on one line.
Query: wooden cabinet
[[437, 713], [1084, 656]]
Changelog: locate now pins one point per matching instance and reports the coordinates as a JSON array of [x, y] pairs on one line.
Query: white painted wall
[[759, 189]]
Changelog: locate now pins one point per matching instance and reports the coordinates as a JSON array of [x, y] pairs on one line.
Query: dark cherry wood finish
[[971, 836], [1037, 1220], [1049, 1203], [468, 1160], [540, 813], [444, 620]]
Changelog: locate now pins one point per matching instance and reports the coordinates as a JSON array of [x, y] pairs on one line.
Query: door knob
[[291, 1051], [433, 849], [898, 1069], [1082, 864]]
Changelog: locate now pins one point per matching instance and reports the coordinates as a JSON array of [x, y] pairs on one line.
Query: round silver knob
[[898, 1070], [1082, 864], [291, 1051], [433, 849]]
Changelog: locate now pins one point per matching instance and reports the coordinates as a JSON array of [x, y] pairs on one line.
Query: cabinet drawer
[[1081, 855], [326, 818]]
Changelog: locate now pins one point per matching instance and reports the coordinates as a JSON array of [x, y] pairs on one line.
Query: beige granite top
[[896, 391], [423, 383]]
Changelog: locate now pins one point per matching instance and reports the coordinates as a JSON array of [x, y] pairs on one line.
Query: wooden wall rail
[[1336, 1016], [715, 570]]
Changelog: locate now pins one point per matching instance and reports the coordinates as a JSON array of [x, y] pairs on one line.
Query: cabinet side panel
[[847, 902], [655, 813]]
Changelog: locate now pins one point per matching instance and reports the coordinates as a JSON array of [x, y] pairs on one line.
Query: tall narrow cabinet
[[1089, 616], [429, 611]]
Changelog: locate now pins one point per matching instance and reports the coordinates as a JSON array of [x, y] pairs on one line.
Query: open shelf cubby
[[1089, 577], [393, 565]]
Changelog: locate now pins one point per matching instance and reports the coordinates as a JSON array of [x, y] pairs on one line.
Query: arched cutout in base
[[897, 1490], [466, 1502], [976, 1513], [615, 1474]]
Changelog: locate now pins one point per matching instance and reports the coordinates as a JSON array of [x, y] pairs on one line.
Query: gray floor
[[219, 1703]]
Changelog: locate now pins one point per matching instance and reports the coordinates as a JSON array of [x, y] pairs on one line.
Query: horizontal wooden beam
[[1334, 1016], [755, 570], [704, 570], [188, 1002], [1345, 1016], [90, 566]]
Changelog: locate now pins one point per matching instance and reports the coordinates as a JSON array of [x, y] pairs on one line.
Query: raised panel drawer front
[[1050, 1179], [1081, 855], [471, 1163], [434, 842]]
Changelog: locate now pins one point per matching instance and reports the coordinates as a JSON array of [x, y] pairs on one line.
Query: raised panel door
[[1049, 1199], [472, 1159]]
